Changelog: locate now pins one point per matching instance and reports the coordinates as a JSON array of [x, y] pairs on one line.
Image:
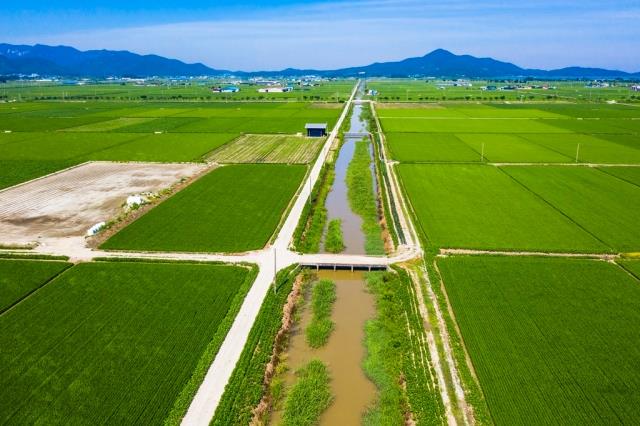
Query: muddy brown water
[[337, 202], [344, 352]]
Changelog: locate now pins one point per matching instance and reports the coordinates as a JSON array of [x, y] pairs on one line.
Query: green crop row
[[551, 340], [245, 387], [99, 342], [19, 278], [473, 394], [397, 357]]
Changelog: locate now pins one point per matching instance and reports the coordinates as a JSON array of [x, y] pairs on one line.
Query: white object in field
[[611, 102], [158, 132], [95, 228], [133, 200], [7, 131]]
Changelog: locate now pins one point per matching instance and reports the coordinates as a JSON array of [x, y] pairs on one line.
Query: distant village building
[[636, 88], [275, 89], [226, 89], [316, 130]]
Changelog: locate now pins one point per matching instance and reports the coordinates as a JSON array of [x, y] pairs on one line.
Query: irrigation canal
[[337, 202], [344, 352]]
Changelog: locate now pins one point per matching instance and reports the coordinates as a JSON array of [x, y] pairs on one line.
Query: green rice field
[[233, 208], [482, 207], [603, 205], [415, 90], [513, 133], [633, 266], [19, 278], [552, 341], [628, 174], [114, 342], [38, 138], [168, 90]]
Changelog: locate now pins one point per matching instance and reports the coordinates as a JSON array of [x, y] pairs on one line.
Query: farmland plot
[[553, 341], [166, 147], [18, 278], [603, 205], [633, 266], [114, 342], [432, 147], [587, 148], [105, 126], [18, 171], [461, 125], [629, 174], [45, 137], [512, 148], [269, 149], [231, 209], [480, 207]]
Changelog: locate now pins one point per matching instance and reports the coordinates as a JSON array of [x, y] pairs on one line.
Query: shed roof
[[316, 126]]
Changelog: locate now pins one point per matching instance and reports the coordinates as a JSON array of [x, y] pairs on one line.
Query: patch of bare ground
[[128, 216], [468, 252], [66, 204]]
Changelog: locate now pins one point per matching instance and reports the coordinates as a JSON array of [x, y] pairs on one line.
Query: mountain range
[[64, 61]]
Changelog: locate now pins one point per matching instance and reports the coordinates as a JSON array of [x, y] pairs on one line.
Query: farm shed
[[316, 130]]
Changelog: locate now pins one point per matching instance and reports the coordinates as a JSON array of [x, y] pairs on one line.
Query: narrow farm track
[[602, 256], [579, 164]]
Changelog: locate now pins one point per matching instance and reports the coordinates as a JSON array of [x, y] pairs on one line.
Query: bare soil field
[[67, 204]]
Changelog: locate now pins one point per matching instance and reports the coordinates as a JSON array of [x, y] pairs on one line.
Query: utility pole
[[482, 153], [577, 152]]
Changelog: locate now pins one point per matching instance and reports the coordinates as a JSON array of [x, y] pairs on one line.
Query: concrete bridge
[[356, 135]]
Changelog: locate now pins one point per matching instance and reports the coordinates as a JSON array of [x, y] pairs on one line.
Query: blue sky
[[326, 34]]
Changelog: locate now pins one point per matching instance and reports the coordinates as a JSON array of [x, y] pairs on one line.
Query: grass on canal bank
[[362, 198], [397, 361]]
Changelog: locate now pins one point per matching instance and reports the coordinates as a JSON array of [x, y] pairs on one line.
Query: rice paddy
[[539, 133], [113, 342], [232, 209], [269, 149], [551, 340], [43, 137], [481, 207], [19, 278]]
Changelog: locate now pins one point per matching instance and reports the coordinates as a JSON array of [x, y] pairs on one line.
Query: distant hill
[[442, 63], [69, 62]]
